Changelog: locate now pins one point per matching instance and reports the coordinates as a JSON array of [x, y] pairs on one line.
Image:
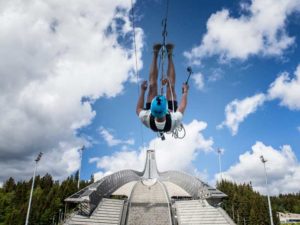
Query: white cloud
[[260, 29], [284, 88], [1, 184], [202, 175], [111, 140], [171, 154], [99, 175], [287, 90], [282, 166], [122, 160], [237, 110], [94, 159], [199, 80], [298, 128], [215, 75], [53, 54]]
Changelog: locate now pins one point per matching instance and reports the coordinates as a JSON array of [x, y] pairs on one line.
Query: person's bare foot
[[156, 47], [170, 48], [164, 81]]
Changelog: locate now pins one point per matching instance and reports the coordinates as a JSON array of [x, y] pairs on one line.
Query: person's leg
[[152, 92], [171, 94]]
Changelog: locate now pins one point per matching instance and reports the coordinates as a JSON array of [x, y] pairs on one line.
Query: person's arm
[[183, 102], [140, 103]]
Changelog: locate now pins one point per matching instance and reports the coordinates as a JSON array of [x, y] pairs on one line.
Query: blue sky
[[68, 78]]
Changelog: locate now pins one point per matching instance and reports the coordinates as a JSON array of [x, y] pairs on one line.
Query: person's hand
[[144, 85], [185, 88]]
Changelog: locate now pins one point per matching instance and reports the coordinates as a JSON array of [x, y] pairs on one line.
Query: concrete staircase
[[149, 205], [197, 212], [108, 212]]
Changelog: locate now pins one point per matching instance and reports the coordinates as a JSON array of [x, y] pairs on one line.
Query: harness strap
[[167, 127]]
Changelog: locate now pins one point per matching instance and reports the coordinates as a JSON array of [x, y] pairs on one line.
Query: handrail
[[226, 216], [125, 206], [129, 201], [168, 200]]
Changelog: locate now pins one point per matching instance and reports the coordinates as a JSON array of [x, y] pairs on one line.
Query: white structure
[[269, 201], [129, 197], [219, 151], [80, 152], [38, 158], [288, 217]]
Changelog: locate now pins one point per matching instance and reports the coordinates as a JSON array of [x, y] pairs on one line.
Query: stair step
[[109, 212], [198, 213]]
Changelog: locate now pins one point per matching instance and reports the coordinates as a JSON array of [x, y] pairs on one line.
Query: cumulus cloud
[[111, 140], [287, 90], [99, 175], [121, 160], [216, 74], [260, 29], [283, 169], [237, 110], [53, 55], [198, 80], [171, 154], [284, 88], [202, 175]]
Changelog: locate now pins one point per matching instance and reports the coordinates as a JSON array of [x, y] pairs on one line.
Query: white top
[[175, 190], [126, 189], [176, 118]]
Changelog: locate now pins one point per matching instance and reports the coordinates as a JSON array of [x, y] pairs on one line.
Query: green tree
[[48, 199], [245, 205], [9, 185]]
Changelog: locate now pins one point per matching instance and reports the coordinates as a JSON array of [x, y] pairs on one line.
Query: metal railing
[[195, 187], [90, 196]]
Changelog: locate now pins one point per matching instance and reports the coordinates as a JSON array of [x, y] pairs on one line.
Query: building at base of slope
[[130, 197], [288, 217]]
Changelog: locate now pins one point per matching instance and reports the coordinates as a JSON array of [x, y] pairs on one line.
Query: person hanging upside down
[[161, 114]]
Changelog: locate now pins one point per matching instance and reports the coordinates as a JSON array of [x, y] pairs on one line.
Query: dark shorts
[[170, 105]]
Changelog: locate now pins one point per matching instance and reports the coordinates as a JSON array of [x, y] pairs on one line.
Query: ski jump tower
[[150, 197]]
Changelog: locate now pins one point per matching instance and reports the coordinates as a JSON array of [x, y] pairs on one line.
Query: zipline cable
[[163, 50], [136, 64], [175, 133]]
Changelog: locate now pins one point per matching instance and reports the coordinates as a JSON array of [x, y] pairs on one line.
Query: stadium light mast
[[263, 160], [219, 151], [38, 158], [80, 152]]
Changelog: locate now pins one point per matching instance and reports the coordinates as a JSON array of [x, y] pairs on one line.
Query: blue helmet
[[159, 106]]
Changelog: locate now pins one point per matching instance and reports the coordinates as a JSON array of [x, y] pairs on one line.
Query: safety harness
[[167, 127], [179, 131]]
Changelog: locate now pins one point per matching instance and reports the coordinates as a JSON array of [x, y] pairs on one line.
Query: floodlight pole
[[269, 201], [80, 152], [219, 156], [38, 158]]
